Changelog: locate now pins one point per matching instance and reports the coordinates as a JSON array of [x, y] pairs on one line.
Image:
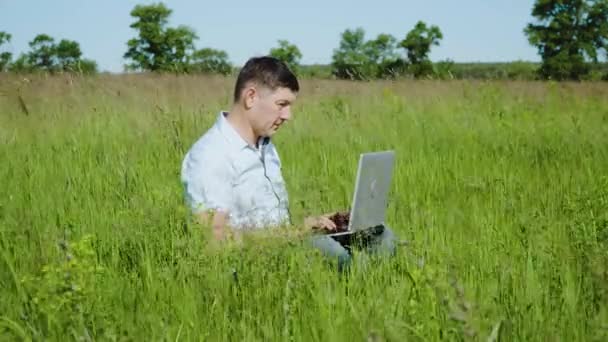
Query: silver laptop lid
[[370, 199]]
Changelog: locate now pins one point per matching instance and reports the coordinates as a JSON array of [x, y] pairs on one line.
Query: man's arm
[[207, 179]]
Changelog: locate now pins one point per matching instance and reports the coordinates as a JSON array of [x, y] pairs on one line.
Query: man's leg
[[333, 250], [381, 242]]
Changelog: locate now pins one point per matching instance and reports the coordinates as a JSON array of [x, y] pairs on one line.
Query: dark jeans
[[378, 241]]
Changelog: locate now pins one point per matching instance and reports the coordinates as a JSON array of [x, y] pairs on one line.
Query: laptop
[[370, 198]]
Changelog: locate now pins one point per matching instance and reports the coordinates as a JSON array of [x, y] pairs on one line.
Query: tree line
[[47, 55], [571, 37]]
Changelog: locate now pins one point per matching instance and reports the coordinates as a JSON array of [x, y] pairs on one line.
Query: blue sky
[[473, 30]]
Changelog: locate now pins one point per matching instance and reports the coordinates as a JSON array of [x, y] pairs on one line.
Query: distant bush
[[448, 69]]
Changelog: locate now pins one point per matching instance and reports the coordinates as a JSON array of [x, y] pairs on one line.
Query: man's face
[[269, 109]]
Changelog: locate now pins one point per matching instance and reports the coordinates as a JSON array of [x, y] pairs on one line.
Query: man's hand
[[218, 221], [320, 222]]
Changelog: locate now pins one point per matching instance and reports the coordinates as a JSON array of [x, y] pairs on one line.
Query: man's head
[[265, 89]]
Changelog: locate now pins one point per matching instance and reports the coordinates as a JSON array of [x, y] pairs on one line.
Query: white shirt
[[223, 172]]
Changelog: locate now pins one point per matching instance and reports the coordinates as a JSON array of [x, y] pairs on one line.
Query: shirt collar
[[233, 137]]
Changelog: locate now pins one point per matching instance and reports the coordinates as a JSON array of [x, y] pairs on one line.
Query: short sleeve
[[207, 182]]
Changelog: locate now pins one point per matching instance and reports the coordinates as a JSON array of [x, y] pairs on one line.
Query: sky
[[473, 30]]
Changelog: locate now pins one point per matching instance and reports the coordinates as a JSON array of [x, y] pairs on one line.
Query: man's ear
[[249, 95]]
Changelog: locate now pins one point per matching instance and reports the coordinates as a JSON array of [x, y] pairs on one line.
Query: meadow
[[499, 199]]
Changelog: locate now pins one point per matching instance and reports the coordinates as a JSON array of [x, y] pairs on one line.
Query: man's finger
[[327, 223]]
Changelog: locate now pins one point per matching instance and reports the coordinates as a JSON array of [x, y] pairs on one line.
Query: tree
[[179, 47], [210, 61], [5, 57], [417, 44], [47, 56], [158, 48], [21, 64], [288, 53], [568, 33], [84, 66], [67, 54], [350, 59], [43, 53], [383, 59], [359, 59]]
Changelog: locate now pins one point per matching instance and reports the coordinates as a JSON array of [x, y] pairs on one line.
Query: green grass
[[500, 192]]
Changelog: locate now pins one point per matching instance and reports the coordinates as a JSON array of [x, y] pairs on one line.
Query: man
[[232, 174]]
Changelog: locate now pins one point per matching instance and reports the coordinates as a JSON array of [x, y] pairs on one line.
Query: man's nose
[[286, 113]]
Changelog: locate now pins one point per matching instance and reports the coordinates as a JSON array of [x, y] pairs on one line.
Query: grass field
[[500, 196]]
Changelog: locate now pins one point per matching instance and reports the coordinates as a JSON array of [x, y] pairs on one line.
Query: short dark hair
[[267, 71]]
